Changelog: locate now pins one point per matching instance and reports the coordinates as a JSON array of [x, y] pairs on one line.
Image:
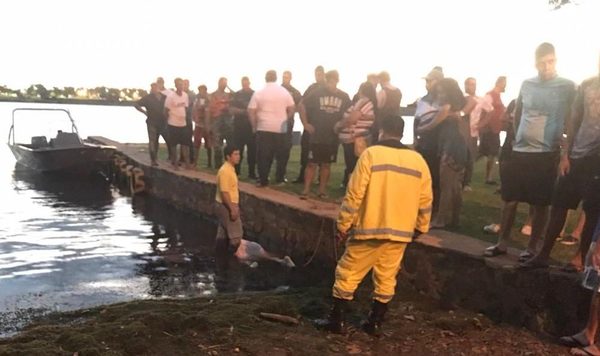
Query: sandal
[[303, 196], [532, 264], [322, 196], [525, 256], [493, 251], [591, 350], [573, 341]]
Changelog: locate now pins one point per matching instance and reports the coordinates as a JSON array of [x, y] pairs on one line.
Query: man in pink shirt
[[490, 125], [175, 109]]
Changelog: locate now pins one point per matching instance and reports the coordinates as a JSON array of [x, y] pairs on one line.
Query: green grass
[[480, 206]]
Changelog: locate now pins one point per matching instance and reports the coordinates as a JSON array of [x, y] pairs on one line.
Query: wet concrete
[[69, 243]]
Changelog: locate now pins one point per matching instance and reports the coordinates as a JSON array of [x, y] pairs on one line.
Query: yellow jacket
[[389, 194]]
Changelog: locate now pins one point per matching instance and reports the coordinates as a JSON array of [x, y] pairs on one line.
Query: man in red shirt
[[490, 125]]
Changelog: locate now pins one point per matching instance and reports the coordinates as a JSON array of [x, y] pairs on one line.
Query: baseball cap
[[435, 74]]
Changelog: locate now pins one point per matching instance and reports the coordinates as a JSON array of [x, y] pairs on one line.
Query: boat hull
[[77, 160]]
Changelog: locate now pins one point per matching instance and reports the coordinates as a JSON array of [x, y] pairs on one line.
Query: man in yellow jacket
[[387, 203]]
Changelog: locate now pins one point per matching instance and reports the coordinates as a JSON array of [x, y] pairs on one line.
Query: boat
[[64, 153]]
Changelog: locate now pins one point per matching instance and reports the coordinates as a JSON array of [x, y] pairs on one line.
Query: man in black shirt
[[305, 140], [153, 106], [242, 129], [286, 83], [320, 110]]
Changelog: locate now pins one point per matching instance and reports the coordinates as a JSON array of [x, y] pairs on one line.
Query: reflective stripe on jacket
[[389, 194]]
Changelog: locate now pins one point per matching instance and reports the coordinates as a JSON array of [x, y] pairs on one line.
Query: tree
[[69, 92], [42, 92], [557, 4]]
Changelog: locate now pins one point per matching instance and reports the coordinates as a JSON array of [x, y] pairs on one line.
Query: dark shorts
[[581, 183], [179, 135], [489, 144], [529, 177], [322, 153]]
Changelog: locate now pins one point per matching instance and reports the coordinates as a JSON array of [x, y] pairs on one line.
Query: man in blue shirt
[[529, 175], [579, 172]]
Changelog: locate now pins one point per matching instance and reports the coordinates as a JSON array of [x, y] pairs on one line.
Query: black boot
[[372, 325], [335, 321]]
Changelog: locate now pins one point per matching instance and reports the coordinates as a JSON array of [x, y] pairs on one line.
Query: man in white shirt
[[269, 110], [175, 110]]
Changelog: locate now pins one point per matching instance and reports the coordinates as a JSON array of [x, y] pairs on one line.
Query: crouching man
[[388, 201], [230, 230]]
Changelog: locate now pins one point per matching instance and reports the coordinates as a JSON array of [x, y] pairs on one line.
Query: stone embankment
[[447, 266]]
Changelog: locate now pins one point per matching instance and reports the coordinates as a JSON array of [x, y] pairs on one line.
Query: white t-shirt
[[271, 105], [483, 104], [177, 105]]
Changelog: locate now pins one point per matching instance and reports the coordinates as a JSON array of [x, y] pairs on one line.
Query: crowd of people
[[550, 158]]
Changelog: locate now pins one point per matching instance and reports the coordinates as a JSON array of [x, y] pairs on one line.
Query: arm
[[518, 113], [223, 183], [290, 110], [425, 201], [357, 187], [439, 117], [253, 118], [252, 112], [572, 126], [234, 210], [471, 103], [304, 118], [167, 103], [138, 107]]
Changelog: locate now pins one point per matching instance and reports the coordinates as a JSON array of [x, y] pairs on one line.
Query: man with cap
[[426, 142]]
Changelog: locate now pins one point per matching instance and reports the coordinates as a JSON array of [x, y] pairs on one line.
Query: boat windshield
[[31, 126]]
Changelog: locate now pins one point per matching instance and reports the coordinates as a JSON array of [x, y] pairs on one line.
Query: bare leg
[[557, 220], [209, 157], [196, 156], [538, 223], [173, 157], [185, 155], [580, 224], [586, 237], [489, 167], [309, 174], [509, 211], [324, 173], [592, 325]]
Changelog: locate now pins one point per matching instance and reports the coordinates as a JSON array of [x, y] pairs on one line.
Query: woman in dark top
[[452, 151]]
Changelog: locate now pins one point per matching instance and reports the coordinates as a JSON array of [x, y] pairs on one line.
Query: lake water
[[123, 124], [69, 243]]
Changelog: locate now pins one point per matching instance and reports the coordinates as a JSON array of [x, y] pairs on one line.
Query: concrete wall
[[447, 266]]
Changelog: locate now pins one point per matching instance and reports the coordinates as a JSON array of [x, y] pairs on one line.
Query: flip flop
[[493, 251], [572, 341], [304, 196], [532, 264], [591, 350], [323, 196], [525, 256]]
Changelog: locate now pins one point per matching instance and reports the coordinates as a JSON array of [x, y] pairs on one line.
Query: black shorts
[[322, 153], [529, 177], [581, 183], [179, 135], [489, 143]]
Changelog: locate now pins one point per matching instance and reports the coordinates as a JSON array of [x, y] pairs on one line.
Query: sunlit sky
[[129, 43]]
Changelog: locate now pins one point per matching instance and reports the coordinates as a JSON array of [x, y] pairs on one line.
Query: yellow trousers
[[384, 257]]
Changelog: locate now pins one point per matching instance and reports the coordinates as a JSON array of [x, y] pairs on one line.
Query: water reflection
[[68, 243]]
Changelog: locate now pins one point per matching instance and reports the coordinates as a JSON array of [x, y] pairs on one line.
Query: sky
[[128, 43]]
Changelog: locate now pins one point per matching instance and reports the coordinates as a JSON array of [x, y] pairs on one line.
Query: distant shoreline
[[404, 110], [69, 101]]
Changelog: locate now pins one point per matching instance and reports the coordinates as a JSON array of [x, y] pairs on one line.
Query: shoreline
[[68, 101]]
